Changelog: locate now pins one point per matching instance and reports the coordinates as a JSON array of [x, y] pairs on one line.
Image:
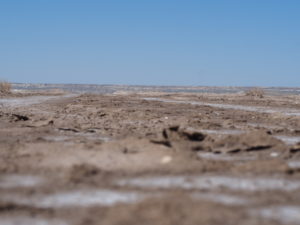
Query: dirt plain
[[149, 158]]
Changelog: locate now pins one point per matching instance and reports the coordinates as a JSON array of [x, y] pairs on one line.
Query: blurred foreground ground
[[149, 158]]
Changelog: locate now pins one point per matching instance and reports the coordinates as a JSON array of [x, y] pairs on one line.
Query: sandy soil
[[150, 158]]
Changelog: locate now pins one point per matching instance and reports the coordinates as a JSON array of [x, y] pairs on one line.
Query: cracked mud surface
[[150, 159]]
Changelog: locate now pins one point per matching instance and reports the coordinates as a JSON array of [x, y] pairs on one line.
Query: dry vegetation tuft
[[5, 87], [255, 92]]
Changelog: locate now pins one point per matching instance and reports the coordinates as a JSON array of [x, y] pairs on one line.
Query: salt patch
[[212, 183], [69, 138], [87, 198], [78, 198], [223, 157], [289, 140], [260, 109], [26, 101], [294, 164], [283, 214], [94, 137], [56, 138], [222, 198], [223, 132], [264, 126], [17, 220], [15, 181]]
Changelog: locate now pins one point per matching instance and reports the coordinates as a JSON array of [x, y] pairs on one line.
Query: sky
[[151, 42]]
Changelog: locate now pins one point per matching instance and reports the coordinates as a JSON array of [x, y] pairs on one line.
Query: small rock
[[166, 159], [274, 154]]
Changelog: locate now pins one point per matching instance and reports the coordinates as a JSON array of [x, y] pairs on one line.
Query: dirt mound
[[183, 138], [252, 141], [180, 138]]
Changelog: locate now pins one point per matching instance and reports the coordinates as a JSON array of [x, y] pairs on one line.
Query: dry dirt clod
[[19, 117], [295, 148], [174, 133], [253, 141], [68, 129], [180, 138], [162, 142], [40, 123]]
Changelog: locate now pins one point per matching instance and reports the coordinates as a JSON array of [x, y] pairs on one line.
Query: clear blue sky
[[152, 42]]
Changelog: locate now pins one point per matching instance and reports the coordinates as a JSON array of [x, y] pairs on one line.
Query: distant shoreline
[[109, 88]]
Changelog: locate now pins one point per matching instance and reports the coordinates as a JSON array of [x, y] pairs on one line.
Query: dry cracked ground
[[150, 158]]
